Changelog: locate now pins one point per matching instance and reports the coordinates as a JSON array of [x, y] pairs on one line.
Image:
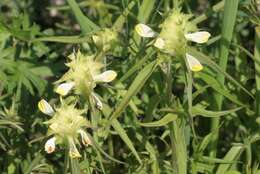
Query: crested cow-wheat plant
[[168, 86]]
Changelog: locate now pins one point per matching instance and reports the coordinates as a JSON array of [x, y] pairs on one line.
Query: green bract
[[67, 121], [106, 39], [82, 70], [173, 31]]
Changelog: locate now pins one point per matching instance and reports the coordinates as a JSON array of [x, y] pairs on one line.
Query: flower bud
[[50, 145], [85, 138]]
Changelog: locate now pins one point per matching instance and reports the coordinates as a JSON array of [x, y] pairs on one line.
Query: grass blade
[[230, 13]]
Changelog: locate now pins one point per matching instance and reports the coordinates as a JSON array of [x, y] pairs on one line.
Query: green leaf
[[213, 83], [63, 39], [118, 25], [162, 122], [118, 128], [232, 155], [205, 142], [145, 10], [97, 147], [135, 87], [198, 110]]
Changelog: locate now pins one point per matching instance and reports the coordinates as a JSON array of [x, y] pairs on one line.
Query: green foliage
[[157, 115]]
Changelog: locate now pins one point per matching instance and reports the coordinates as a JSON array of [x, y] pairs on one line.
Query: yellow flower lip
[[73, 151], [197, 68], [193, 63]]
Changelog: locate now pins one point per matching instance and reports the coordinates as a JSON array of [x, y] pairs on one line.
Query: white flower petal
[[144, 31], [194, 64], [45, 107], [106, 76], [85, 138], [159, 43], [64, 88], [198, 37], [98, 102], [50, 145]]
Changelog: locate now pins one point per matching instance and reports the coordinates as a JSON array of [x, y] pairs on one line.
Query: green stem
[[94, 117], [110, 146], [174, 149], [178, 144], [257, 69], [171, 125], [66, 161]]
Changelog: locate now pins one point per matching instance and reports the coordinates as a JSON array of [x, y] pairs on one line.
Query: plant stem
[[257, 70], [178, 144], [66, 160]]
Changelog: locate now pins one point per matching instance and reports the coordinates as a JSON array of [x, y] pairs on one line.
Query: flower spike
[[144, 31], [194, 64], [50, 145], [64, 88], [198, 37], [45, 107]]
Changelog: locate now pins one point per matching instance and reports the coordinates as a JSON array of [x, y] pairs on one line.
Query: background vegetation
[[157, 117]]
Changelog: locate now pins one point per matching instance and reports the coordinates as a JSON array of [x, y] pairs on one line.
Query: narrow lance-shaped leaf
[[121, 132], [122, 18], [135, 87], [213, 83], [206, 113], [232, 155], [116, 125], [162, 122], [63, 39]]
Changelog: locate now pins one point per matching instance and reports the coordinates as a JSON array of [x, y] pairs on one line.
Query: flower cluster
[[67, 122], [65, 125], [83, 75], [173, 38]]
